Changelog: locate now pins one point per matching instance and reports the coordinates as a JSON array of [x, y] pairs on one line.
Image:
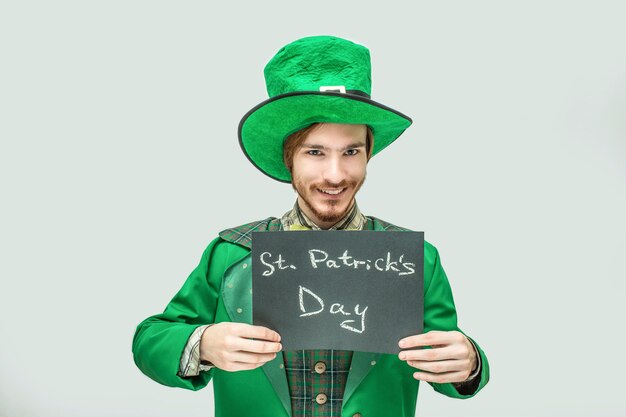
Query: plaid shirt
[[317, 378]]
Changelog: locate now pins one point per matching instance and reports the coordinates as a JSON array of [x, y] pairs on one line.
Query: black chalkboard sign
[[352, 290]]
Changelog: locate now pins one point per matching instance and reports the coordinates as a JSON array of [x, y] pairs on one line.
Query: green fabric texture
[[300, 66], [219, 289], [293, 78]]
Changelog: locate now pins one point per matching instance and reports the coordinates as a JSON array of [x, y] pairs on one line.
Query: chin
[[328, 213]]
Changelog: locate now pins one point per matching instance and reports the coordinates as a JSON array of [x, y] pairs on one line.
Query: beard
[[332, 213]]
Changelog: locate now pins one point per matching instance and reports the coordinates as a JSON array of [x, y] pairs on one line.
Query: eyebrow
[[350, 146]]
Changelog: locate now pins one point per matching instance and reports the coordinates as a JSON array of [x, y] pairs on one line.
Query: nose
[[334, 172]]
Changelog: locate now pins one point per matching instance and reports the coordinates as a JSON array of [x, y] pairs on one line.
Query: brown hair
[[296, 139]]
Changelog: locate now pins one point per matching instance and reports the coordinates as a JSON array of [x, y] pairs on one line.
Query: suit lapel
[[362, 364], [275, 372], [237, 297]]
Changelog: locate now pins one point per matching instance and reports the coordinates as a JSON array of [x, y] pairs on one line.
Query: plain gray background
[[119, 163]]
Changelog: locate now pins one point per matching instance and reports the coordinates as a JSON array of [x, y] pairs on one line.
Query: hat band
[[342, 90], [358, 93]]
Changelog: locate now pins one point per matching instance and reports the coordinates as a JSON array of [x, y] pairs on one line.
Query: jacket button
[[320, 367], [321, 399]]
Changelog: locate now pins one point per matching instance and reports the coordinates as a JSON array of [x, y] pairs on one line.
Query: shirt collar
[[353, 220]]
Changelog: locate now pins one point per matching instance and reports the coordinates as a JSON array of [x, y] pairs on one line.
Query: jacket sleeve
[[160, 339], [440, 314]]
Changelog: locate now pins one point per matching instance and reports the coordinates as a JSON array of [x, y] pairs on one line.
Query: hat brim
[[263, 129]]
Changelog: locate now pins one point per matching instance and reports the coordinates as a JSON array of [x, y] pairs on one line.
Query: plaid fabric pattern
[[296, 219], [190, 364], [317, 378], [242, 235], [307, 381]]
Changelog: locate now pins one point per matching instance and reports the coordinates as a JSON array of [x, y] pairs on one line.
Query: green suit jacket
[[220, 289]]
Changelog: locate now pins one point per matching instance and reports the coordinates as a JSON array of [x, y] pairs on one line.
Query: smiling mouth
[[331, 192]]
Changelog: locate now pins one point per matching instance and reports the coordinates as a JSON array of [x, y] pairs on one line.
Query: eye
[[313, 152], [351, 152]]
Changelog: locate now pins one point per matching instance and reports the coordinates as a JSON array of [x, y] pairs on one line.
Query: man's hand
[[229, 346], [451, 359]]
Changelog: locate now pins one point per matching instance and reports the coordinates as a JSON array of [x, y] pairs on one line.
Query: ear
[[369, 142]]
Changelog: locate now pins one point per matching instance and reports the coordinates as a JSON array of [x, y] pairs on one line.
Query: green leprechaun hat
[[313, 80]]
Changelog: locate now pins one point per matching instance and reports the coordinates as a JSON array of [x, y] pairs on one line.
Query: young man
[[317, 130]]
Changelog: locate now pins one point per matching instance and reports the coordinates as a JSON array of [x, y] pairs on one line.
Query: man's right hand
[[229, 346]]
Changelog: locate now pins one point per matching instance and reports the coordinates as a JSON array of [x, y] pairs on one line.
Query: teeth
[[332, 192]]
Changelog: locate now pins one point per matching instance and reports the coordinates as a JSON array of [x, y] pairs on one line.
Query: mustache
[[327, 184]]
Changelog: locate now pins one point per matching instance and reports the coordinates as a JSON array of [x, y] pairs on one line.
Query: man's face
[[328, 170]]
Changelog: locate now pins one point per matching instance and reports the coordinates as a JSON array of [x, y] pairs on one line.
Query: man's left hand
[[451, 359]]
